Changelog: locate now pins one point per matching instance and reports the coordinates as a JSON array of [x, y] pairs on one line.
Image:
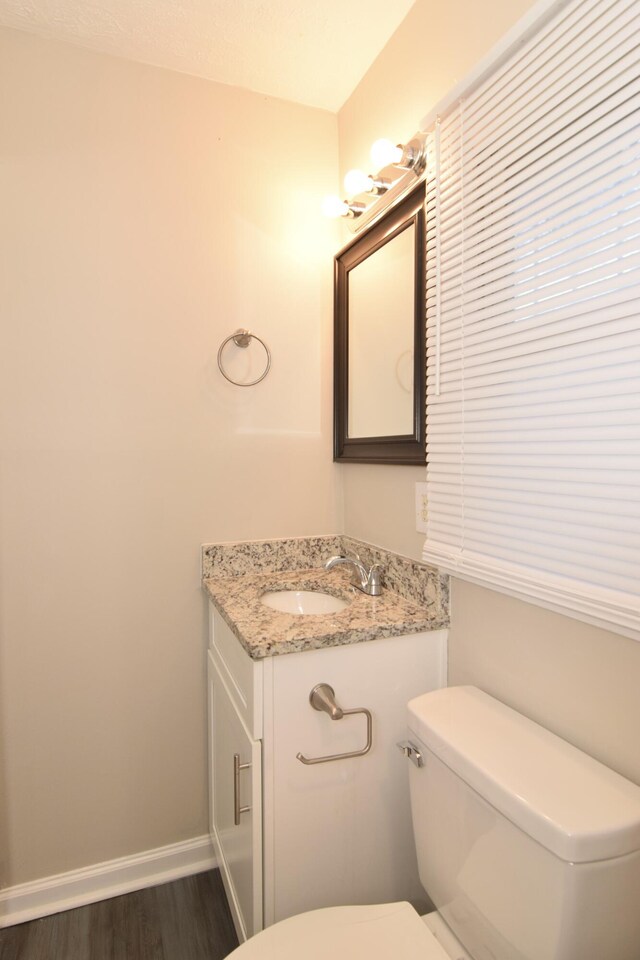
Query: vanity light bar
[[366, 189], [358, 182], [333, 206]]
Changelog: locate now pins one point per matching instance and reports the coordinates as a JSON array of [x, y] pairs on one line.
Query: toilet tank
[[529, 848]]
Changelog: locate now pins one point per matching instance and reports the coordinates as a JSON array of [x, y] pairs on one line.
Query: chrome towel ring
[[242, 338]]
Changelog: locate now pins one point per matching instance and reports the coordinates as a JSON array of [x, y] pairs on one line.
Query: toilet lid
[[387, 931]]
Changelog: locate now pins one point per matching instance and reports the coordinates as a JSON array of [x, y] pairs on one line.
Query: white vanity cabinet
[[313, 835]]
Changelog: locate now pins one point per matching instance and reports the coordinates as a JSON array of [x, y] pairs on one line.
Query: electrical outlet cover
[[421, 507]]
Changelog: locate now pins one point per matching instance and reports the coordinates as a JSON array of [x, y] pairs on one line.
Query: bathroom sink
[[303, 602]]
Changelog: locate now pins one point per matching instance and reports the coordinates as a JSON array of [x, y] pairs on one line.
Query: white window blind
[[533, 321]]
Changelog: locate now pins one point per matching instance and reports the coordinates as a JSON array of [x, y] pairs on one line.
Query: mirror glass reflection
[[381, 340]]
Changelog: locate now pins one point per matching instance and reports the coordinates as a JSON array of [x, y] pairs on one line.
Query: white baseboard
[[39, 898]]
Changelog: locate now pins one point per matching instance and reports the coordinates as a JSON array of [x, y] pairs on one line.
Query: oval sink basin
[[303, 602]]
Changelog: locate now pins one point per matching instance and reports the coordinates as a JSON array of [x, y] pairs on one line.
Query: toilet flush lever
[[411, 751], [323, 698]]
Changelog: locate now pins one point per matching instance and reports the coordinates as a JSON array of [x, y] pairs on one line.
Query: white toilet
[[529, 849]]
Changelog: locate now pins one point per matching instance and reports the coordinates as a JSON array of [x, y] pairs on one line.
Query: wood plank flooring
[[185, 920]]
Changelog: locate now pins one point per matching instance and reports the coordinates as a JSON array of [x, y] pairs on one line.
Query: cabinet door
[[238, 845]]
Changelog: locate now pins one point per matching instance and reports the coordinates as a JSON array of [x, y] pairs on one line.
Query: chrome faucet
[[366, 580]]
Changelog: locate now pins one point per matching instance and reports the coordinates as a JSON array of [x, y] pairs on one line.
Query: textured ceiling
[[310, 51]]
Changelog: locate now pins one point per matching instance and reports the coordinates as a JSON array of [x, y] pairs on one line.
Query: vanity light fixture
[[333, 206], [399, 164], [384, 152], [356, 181], [409, 156]]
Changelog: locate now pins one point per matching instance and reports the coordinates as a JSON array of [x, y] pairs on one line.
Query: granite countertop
[[264, 632]]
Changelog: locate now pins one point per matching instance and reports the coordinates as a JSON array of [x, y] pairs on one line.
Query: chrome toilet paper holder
[[323, 698]]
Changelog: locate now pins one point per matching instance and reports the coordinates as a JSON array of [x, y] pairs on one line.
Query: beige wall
[[145, 216], [435, 46], [580, 681]]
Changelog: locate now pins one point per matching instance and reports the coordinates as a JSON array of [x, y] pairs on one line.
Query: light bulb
[[383, 152], [334, 207], [357, 182]]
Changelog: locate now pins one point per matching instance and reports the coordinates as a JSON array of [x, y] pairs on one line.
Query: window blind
[[533, 321]]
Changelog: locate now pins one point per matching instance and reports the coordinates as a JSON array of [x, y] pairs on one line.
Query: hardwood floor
[[185, 920]]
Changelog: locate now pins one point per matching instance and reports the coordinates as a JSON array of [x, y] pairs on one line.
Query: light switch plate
[[421, 507]]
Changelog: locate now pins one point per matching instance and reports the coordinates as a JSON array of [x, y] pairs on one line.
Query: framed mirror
[[379, 340]]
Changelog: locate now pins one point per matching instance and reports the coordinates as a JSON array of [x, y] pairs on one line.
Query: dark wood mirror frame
[[410, 448]]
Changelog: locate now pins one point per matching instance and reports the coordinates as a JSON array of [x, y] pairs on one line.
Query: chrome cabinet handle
[[322, 697], [237, 809]]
